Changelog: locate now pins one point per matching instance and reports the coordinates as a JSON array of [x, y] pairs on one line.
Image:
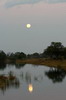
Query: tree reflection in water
[[9, 81], [18, 66], [28, 79], [56, 75], [2, 66], [27, 76]]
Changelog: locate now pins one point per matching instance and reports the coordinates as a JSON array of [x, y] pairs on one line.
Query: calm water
[[48, 21], [45, 83]]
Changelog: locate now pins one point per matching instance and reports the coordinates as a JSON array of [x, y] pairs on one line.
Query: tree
[[11, 57], [20, 55], [23, 55], [55, 50], [35, 55], [2, 56], [64, 52]]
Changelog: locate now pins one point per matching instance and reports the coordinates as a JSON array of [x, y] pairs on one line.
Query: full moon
[[28, 25]]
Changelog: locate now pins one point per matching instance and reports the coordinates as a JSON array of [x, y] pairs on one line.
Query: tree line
[[54, 51]]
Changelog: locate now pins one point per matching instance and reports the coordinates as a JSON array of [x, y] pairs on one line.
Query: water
[[34, 83], [48, 23]]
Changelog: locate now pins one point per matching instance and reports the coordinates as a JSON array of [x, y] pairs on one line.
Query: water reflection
[[9, 81], [28, 79], [30, 88], [2, 66], [29, 75], [19, 65], [56, 75], [38, 78], [11, 3]]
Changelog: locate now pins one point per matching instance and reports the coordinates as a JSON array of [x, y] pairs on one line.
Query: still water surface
[[34, 83]]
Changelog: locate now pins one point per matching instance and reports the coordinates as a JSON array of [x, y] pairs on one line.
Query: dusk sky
[[47, 19]]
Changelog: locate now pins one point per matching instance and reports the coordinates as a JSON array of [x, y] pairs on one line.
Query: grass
[[46, 62]]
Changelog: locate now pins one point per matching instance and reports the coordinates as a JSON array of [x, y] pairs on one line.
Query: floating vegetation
[[8, 81]]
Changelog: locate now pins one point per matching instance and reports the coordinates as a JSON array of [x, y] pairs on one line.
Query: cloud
[[11, 3], [56, 1]]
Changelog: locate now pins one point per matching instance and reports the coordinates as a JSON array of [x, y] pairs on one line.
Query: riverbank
[[46, 62]]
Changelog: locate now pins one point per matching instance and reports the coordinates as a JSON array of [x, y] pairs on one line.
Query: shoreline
[[60, 63], [46, 62]]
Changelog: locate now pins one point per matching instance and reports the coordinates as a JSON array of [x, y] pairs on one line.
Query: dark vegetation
[[2, 56], [56, 75], [55, 51], [9, 81], [54, 56]]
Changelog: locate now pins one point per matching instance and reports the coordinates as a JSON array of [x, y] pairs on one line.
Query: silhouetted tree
[[64, 53], [56, 75], [11, 56], [2, 56], [55, 50], [35, 55], [20, 55]]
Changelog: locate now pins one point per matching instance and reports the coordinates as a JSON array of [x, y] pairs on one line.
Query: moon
[[30, 88], [28, 25]]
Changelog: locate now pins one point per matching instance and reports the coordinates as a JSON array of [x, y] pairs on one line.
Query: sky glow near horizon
[[47, 18]]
